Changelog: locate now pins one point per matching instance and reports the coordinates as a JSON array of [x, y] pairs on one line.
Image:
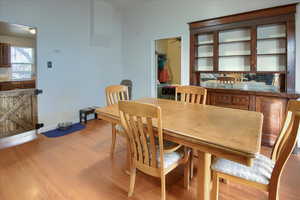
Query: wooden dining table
[[223, 132]]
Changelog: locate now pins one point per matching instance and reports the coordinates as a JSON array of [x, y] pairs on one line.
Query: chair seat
[[169, 158], [260, 172], [119, 128]]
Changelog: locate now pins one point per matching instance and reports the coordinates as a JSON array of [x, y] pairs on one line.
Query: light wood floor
[[78, 167]]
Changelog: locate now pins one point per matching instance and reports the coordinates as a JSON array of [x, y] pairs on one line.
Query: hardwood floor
[[78, 166]]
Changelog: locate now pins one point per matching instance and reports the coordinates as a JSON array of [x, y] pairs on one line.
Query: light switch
[[49, 64]]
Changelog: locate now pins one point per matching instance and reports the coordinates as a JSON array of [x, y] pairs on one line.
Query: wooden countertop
[[289, 95], [20, 80]]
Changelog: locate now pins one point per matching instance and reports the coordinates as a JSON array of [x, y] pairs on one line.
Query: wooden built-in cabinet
[[247, 61], [5, 60], [13, 85]]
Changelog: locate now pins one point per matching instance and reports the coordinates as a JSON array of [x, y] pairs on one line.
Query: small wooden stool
[[83, 113]]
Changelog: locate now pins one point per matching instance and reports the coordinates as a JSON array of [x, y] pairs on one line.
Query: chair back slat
[[136, 137], [116, 93], [153, 162], [139, 127], [191, 94], [286, 142], [143, 139]]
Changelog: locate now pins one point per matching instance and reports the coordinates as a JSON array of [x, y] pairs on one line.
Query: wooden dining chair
[[149, 155], [191, 94], [226, 80], [114, 94], [266, 172]]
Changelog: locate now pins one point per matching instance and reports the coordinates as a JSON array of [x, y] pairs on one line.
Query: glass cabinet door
[[271, 47], [204, 52], [235, 50]]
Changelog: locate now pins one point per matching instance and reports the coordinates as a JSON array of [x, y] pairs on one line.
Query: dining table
[[212, 131]]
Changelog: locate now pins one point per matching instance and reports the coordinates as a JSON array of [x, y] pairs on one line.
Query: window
[[22, 61]]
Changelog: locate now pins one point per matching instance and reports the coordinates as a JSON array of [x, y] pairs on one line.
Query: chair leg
[[113, 142], [187, 171], [192, 164], [215, 187], [128, 161], [132, 181], [273, 192], [163, 187]]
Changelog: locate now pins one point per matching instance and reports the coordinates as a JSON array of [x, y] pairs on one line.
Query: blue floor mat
[[59, 133]]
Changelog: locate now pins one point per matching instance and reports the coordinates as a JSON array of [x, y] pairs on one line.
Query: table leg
[[203, 176]]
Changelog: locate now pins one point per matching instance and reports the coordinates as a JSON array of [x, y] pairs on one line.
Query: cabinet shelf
[[204, 44], [234, 41], [199, 57], [238, 55], [270, 54], [272, 38]]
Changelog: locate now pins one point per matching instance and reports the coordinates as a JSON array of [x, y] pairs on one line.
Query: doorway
[[18, 94], [167, 66]]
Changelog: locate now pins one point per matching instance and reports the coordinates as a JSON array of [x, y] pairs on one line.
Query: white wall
[[82, 67], [168, 18]]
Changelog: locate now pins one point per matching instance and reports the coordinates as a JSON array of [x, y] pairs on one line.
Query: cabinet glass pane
[[271, 62], [271, 31], [205, 51], [204, 64], [234, 35], [235, 63], [240, 48], [271, 46], [205, 39], [245, 81]]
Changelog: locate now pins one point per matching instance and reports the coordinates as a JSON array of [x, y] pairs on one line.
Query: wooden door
[[273, 110], [18, 112]]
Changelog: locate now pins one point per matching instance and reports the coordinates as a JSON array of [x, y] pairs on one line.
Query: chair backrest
[[226, 80], [286, 141], [137, 120], [191, 94], [115, 93]]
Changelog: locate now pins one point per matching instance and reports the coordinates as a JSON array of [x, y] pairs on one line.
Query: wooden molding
[[262, 13]]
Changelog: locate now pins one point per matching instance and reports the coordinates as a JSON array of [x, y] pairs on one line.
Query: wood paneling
[[230, 101], [274, 110]]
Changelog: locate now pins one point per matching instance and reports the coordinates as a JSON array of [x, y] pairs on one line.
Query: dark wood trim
[[256, 14], [216, 51], [253, 48], [243, 24], [193, 49], [291, 55]]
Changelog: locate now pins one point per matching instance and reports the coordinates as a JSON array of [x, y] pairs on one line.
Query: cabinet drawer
[[230, 101]]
